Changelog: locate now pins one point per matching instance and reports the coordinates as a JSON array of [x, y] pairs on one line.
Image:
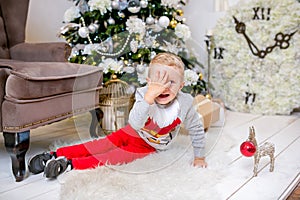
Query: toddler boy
[[154, 122]]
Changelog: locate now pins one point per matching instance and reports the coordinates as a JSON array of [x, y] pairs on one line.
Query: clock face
[[255, 61]]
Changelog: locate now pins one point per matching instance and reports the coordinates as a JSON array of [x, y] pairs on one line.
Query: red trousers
[[120, 147]]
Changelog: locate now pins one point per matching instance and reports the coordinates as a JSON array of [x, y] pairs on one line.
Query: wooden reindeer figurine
[[266, 149]]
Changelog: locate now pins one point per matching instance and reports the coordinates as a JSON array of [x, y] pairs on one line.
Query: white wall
[[45, 19], [201, 17]]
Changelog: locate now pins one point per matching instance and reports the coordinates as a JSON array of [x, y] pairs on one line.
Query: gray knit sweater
[[139, 114]]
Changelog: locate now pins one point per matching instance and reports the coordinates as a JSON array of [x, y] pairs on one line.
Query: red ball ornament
[[247, 148]]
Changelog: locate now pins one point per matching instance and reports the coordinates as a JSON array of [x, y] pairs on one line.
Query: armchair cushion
[[32, 80], [44, 52], [23, 115]]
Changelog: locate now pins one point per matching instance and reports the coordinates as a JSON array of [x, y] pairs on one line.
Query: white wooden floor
[[283, 131]]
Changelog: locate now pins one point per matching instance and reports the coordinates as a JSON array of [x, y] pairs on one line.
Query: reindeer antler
[[251, 137]]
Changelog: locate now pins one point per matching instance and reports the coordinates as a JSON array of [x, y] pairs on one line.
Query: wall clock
[[255, 63]]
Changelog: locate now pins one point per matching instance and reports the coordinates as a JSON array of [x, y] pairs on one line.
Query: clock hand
[[240, 28], [281, 40]]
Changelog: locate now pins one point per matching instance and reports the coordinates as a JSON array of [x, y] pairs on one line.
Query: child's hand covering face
[[164, 83]]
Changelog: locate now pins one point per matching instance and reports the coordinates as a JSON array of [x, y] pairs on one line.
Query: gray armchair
[[37, 84]]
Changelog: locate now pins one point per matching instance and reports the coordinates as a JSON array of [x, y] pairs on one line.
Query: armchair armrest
[[41, 52], [4, 73]]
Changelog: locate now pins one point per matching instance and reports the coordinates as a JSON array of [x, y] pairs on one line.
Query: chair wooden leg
[[97, 116], [17, 145]]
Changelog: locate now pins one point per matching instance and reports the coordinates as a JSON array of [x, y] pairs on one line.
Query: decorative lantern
[[116, 100]]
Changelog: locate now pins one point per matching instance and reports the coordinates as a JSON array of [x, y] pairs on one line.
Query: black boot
[[37, 163], [56, 167]]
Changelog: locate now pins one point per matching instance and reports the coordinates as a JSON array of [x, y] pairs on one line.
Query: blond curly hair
[[170, 60]]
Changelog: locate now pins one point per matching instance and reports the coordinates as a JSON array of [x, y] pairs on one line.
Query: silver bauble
[[115, 5], [144, 3], [83, 32], [150, 20], [123, 4], [93, 28], [134, 6], [111, 21], [164, 21]]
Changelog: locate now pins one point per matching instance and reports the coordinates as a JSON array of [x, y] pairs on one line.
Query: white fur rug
[[165, 175]]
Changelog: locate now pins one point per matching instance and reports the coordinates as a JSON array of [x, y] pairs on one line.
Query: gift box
[[209, 110]]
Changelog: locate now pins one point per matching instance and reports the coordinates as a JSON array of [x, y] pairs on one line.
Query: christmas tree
[[123, 36]]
